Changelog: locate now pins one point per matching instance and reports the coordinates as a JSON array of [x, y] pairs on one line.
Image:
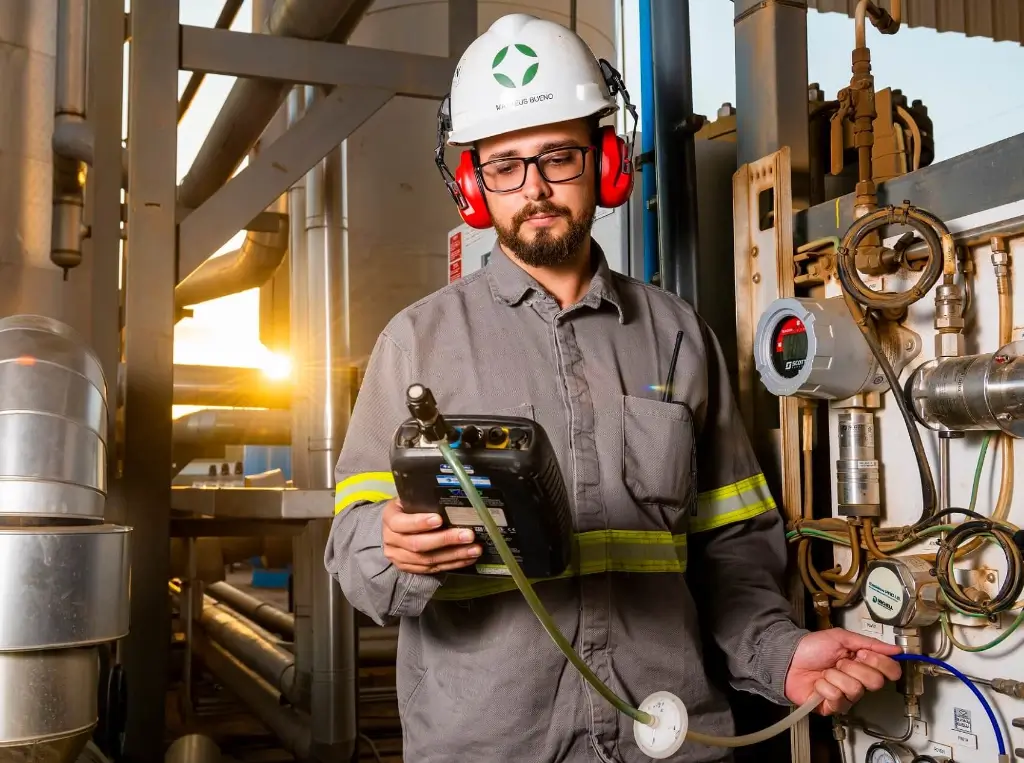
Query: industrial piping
[[252, 103], [70, 132], [248, 267], [260, 612], [233, 427], [229, 386]]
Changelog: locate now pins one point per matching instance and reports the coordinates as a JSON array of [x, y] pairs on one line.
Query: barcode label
[[962, 720]]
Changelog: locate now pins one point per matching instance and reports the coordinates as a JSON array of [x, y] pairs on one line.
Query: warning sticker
[[455, 257], [962, 720]]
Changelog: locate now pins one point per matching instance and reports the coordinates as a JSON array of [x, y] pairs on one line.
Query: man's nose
[[536, 187]]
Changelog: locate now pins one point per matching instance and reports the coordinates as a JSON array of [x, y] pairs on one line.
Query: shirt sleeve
[[737, 543], [354, 555]]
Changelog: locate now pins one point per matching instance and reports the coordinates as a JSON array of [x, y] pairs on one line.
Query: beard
[[546, 249]]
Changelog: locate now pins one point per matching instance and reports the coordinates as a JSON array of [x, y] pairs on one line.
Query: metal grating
[[999, 20]]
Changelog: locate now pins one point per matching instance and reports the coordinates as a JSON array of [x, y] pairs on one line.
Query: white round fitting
[[667, 735]]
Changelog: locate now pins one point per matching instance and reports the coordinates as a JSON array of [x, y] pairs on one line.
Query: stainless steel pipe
[[288, 725], [229, 386], [335, 670], [233, 427], [260, 612], [193, 748], [67, 224]]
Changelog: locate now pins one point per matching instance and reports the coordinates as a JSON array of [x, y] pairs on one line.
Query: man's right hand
[[413, 542]]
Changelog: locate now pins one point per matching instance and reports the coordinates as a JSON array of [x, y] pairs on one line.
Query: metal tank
[[63, 572], [398, 211]]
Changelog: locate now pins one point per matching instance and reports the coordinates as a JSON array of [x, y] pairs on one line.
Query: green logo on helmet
[[526, 77]]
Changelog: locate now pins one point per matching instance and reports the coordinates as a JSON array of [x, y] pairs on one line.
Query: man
[[547, 331]]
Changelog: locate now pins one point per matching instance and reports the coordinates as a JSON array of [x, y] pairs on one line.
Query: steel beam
[[326, 124], [102, 248], [309, 62], [148, 338], [986, 178], [771, 86], [462, 27]]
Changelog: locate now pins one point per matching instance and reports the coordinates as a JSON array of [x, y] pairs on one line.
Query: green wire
[[528, 593], [978, 470], [948, 630]]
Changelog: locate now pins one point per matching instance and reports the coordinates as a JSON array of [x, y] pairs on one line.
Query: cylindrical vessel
[[974, 392], [64, 575], [857, 470], [28, 47], [53, 404]]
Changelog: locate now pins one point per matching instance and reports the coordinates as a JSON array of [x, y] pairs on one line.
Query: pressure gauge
[[887, 752]]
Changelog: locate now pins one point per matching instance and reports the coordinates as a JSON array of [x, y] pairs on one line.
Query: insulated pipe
[[229, 386], [289, 726], [274, 665], [326, 391], [260, 612], [335, 692], [248, 267], [69, 118], [252, 103], [299, 315], [233, 427]]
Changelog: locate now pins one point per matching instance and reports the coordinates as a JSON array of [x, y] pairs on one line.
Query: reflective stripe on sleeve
[[733, 503], [593, 553], [368, 486]]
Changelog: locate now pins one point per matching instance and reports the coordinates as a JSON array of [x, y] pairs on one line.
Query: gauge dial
[[883, 752]]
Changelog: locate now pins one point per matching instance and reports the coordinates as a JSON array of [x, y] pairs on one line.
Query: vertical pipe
[[298, 307], [328, 312], [676, 164], [102, 249], [69, 115], [648, 177], [334, 721], [333, 690], [302, 604]]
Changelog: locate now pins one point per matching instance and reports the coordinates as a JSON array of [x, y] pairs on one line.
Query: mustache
[[542, 208]]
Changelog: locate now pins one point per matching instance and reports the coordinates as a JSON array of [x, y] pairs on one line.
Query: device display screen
[[789, 347]]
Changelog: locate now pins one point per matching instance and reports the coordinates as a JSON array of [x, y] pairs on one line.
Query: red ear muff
[[614, 171], [475, 214]]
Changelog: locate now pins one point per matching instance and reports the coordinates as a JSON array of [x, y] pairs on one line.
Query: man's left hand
[[839, 666]]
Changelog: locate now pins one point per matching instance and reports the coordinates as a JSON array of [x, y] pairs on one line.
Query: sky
[[968, 85]]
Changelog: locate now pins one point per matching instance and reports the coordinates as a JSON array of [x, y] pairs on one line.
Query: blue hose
[[968, 683]]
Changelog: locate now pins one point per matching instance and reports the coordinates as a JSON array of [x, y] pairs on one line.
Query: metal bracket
[[310, 62], [327, 123]]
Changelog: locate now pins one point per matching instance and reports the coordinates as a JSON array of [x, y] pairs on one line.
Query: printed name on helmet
[[525, 101]]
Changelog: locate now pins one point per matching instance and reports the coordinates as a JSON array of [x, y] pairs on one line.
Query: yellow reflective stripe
[[368, 486], [733, 503], [594, 553]]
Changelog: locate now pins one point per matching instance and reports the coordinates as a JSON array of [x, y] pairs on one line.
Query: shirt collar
[[510, 283]]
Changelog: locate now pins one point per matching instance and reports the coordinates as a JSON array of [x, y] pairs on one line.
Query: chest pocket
[[659, 461]]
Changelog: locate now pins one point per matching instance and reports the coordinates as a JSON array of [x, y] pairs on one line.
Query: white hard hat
[[523, 72]]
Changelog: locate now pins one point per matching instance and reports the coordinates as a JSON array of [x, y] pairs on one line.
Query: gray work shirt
[[653, 486]]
